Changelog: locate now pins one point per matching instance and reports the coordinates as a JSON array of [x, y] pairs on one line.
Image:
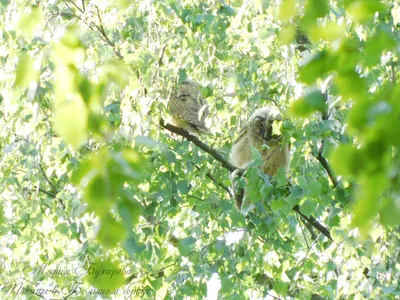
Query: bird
[[188, 108], [258, 132]]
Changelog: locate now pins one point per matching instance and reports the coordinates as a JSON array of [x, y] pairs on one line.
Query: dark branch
[[195, 140], [47, 179], [311, 220], [328, 170], [326, 166]]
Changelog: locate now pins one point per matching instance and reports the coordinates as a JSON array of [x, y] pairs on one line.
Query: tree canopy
[[102, 198]]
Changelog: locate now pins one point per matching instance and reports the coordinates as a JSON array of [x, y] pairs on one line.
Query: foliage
[[99, 200]]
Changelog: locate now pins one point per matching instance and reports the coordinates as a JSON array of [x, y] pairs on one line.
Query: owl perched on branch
[[261, 133], [188, 108]]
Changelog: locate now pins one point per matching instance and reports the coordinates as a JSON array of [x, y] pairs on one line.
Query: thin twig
[[77, 7], [100, 28], [393, 75], [63, 206], [302, 231], [215, 181], [47, 179]]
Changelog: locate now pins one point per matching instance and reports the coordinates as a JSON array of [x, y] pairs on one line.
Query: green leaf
[[376, 45], [183, 187], [62, 228], [238, 220], [315, 188], [182, 76], [30, 22], [313, 101], [280, 177], [186, 245], [347, 161], [281, 288], [317, 66], [1, 215], [130, 210], [316, 8], [287, 10], [26, 74], [162, 291], [389, 213], [363, 11], [97, 194], [71, 121], [104, 274], [111, 232], [308, 207]]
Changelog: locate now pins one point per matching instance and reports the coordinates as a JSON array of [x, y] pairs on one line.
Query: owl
[[259, 133], [188, 108]]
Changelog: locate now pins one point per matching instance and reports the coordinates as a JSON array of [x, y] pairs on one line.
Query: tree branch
[[326, 166], [195, 140], [328, 170], [227, 165], [47, 179], [313, 221]]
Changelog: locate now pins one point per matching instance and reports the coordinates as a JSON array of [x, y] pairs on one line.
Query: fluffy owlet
[[258, 133], [188, 107]]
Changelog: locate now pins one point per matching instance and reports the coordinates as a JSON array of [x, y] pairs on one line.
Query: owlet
[[188, 107], [258, 131]]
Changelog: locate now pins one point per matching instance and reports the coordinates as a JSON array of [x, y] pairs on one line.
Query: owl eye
[[183, 97]]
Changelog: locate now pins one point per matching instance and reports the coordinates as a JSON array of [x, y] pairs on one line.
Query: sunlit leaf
[[287, 10], [104, 274], [362, 11], [389, 214], [317, 66], [287, 35], [313, 101], [26, 73], [31, 21], [71, 120]]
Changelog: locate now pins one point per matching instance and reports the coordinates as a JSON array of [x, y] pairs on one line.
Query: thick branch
[[227, 165], [328, 170], [195, 140]]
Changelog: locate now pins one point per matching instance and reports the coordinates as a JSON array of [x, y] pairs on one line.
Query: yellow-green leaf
[[26, 74], [287, 10], [105, 275], [71, 120]]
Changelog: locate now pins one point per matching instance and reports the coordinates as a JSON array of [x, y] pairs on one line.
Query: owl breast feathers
[[258, 131], [188, 107]]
